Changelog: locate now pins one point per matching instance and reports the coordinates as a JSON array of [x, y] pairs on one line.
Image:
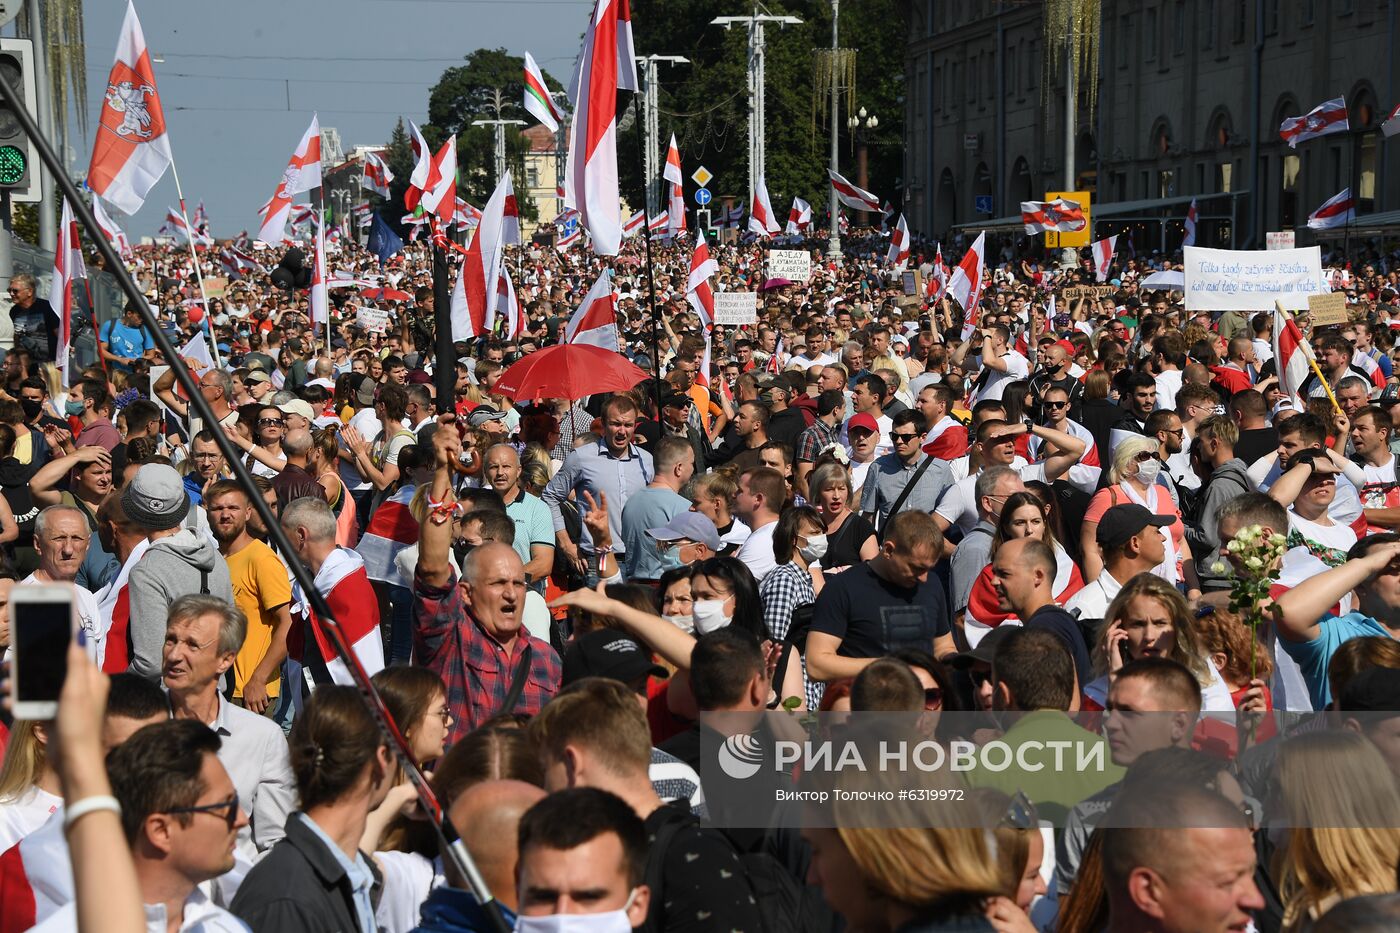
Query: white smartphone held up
[[42, 622]]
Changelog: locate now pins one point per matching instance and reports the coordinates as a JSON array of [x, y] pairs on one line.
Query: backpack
[[775, 891]]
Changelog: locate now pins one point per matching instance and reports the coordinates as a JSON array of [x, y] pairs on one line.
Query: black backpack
[[777, 893]]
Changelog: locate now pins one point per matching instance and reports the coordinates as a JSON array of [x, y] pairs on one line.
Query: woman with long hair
[[29, 788], [1341, 803], [1135, 478], [798, 544], [1020, 845], [1149, 618], [1023, 515], [850, 537], [322, 462]]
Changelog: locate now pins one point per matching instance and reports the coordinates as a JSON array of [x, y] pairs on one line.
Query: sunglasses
[[271, 422], [1056, 404], [1145, 456], [901, 438], [228, 809]]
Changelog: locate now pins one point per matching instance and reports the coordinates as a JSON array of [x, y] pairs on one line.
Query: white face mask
[[815, 549], [609, 921], [709, 615], [684, 623], [1147, 472]]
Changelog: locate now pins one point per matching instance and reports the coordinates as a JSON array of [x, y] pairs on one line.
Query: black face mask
[[32, 408], [460, 549]]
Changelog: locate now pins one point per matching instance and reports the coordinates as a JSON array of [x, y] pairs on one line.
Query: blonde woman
[[1134, 476], [1149, 618], [1341, 802], [29, 788]]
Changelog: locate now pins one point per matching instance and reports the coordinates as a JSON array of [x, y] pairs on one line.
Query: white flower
[[1254, 563], [1219, 568]]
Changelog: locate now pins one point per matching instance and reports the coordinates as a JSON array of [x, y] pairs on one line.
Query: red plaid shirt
[[476, 668]]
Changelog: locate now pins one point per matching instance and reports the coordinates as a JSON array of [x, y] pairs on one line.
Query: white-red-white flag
[[898, 255], [569, 239], [675, 210], [799, 217], [702, 375], [508, 306], [376, 176], [1291, 355], [474, 301], [1192, 216], [421, 178], [965, 284], [855, 198], [938, 276], [114, 234], [1322, 120], [761, 219], [606, 65], [1391, 126], [1058, 216], [303, 173], [131, 150], [595, 320], [658, 225], [440, 197], [697, 287], [538, 103], [67, 268], [320, 299], [1103, 257], [634, 224], [1337, 211]]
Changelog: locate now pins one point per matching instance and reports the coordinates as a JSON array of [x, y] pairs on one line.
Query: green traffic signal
[[13, 163]]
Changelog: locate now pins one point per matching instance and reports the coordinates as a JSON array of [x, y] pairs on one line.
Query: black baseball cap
[[1122, 522], [608, 653], [985, 650]]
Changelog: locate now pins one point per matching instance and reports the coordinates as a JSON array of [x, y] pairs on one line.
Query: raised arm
[[41, 487], [435, 536], [1302, 607], [1068, 450], [164, 390], [664, 638]]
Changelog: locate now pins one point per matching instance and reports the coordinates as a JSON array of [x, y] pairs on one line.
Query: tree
[[399, 157], [489, 86]]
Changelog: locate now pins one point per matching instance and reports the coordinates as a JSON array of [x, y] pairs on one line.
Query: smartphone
[[42, 622]]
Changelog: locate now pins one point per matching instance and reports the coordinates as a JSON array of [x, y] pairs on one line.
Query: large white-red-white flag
[[376, 176], [1103, 257], [114, 234], [420, 179], [675, 210], [697, 287], [303, 173], [67, 268], [606, 65], [538, 103], [761, 219], [508, 306], [1058, 216], [320, 299], [855, 198], [1322, 120], [440, 197], [595, 320], [131, 150], [634, 224], [965, 284], [658, 225], [1337, 211], [799, 217], [898, 256], [1291, 355], [474, 299], [1192, 216]]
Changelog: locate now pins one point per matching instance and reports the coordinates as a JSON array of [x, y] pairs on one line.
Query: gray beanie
[[155, 499]]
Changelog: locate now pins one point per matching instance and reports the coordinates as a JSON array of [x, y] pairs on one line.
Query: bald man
[[488, 815]]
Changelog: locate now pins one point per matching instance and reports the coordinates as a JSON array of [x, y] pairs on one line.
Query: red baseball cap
[[863, 420]]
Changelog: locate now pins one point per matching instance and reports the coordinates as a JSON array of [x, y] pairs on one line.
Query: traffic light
[[19, 159]]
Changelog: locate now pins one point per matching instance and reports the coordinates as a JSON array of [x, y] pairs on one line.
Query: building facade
[[1178, 85], [544, 172]]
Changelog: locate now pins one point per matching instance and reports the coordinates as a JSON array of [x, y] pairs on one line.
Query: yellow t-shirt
[[260, 585]]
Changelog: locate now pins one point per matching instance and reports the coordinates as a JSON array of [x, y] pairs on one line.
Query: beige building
[[1173, 120], [544, 172]]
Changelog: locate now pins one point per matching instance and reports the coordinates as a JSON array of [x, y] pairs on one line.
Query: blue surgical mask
[[671, 559], [73, 408]]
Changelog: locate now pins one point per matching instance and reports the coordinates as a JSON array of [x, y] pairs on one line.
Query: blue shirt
[[130, 342], [1313, 656], [361, 878], [653, 507], [592, 468]]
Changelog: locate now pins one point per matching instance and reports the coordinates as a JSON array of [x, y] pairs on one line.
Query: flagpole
[[1312, 362], [194, 257], [651, 281], [319, 261]]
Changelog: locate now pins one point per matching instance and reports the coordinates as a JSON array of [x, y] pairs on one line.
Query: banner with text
[[1251, 280], [795, 265], [733, 308]]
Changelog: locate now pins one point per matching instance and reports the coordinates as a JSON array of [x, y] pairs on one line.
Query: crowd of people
[[866, 501]]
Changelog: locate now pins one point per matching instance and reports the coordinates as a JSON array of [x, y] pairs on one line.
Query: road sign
[[702, 196], [984, 203], [702, 176]]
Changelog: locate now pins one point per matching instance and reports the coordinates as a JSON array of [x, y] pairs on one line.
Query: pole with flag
[[646, 245], [67, 268]]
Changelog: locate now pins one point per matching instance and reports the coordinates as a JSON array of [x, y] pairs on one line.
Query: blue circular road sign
[[702, 196]]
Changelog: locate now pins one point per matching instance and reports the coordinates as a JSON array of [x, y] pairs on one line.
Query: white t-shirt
[[367, 423], [959, 467], [1316, 536], [1380, 491], [1168, 384], [807, 362], [757, 552], [1017, 367], [858, 471], [959, 504], [25, 814]]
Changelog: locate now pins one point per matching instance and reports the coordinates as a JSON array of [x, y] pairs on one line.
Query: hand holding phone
[[42, 622]]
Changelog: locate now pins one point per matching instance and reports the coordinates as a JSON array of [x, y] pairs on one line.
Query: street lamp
[[860, 124]]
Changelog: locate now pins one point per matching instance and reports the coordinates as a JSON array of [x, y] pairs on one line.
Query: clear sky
[[241, 79]]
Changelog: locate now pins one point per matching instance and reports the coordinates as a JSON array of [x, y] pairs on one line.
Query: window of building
[[1270, 17], [1209, 11], [1144, 181], [1239, 16], [1224, 176], [1033, 65], [937, 89], [1200, 177], [991, 88], [1119, 182], [1366, 177], [954, 83], [1179, 28], [1013, 74], [1149, 36], [532, 177]]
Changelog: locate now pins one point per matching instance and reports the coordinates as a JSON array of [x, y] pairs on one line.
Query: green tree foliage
[[471, 92], [399, 156], [705, 103]]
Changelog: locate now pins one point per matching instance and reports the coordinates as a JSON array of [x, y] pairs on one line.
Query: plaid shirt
[[811, 441], [475, 667], [785, 588]]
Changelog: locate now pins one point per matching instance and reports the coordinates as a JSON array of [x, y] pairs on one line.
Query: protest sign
[[372, 319], [1075, 292], [795, 265], [1283, 239], [1325, 310], [736, 308], [1251, 280]]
